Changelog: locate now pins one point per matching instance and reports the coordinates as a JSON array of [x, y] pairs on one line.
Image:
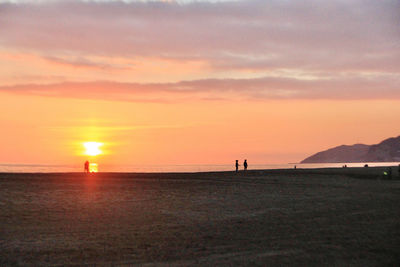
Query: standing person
[[245, 164], [237, 165], [87, 166]]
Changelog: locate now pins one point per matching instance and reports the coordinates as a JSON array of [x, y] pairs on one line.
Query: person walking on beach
[[245, 164], [87, 166], [237, 165]]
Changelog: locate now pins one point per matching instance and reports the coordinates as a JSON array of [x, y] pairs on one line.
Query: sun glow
[[93, 167], [92, 148]]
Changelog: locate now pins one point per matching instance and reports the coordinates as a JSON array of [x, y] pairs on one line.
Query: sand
[[331, 217]]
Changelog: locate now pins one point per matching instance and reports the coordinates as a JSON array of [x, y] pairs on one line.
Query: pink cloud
[[350, 46], [219, 90], [310, 34]]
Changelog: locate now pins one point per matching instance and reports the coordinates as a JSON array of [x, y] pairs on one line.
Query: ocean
[[41, 168]]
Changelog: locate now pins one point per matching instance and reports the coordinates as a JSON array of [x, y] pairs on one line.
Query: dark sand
[[333, 217]]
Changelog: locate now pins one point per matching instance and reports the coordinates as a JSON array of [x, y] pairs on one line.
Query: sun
[[92, 148]]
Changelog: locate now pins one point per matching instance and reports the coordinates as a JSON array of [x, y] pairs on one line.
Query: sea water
[[41, 168]]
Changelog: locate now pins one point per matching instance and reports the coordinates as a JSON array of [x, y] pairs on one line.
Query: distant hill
[[386, 151]]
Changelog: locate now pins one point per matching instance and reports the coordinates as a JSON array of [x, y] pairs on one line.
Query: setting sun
[[92, 148]]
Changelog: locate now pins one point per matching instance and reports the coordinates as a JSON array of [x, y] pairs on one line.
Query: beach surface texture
[[303, 217]]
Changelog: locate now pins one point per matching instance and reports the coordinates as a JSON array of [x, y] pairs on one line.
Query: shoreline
[[249, 171], [370, 173], [186, 168]]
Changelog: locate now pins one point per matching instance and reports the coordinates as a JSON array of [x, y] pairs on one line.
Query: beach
[[303, 217]]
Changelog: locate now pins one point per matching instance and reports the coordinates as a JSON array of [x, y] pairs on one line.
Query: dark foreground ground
[[333, 217]]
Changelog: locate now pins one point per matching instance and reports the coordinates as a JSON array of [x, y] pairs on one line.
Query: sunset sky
[[196, 82]]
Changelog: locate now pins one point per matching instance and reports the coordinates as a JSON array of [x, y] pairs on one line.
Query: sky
[[196, 82]]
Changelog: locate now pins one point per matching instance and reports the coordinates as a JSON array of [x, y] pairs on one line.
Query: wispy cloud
[[350, 49], [220, 89], [81, 62], [268, 34]]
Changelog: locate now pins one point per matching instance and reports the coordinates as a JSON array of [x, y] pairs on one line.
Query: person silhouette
[[237, 165], [245, 164], [87, 166]]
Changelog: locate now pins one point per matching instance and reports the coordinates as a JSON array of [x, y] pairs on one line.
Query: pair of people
[[244, 165]]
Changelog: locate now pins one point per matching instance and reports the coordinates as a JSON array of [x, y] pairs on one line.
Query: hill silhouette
[[386, 151]]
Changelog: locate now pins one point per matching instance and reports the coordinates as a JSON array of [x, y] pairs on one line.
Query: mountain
[[386, 151]]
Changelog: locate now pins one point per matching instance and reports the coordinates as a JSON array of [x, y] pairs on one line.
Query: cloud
[[296, 49], [254, 34], [82, 62], [220, 89]]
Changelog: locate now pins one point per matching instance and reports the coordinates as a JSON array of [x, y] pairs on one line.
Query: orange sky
[[207, 83], [51, 130]]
